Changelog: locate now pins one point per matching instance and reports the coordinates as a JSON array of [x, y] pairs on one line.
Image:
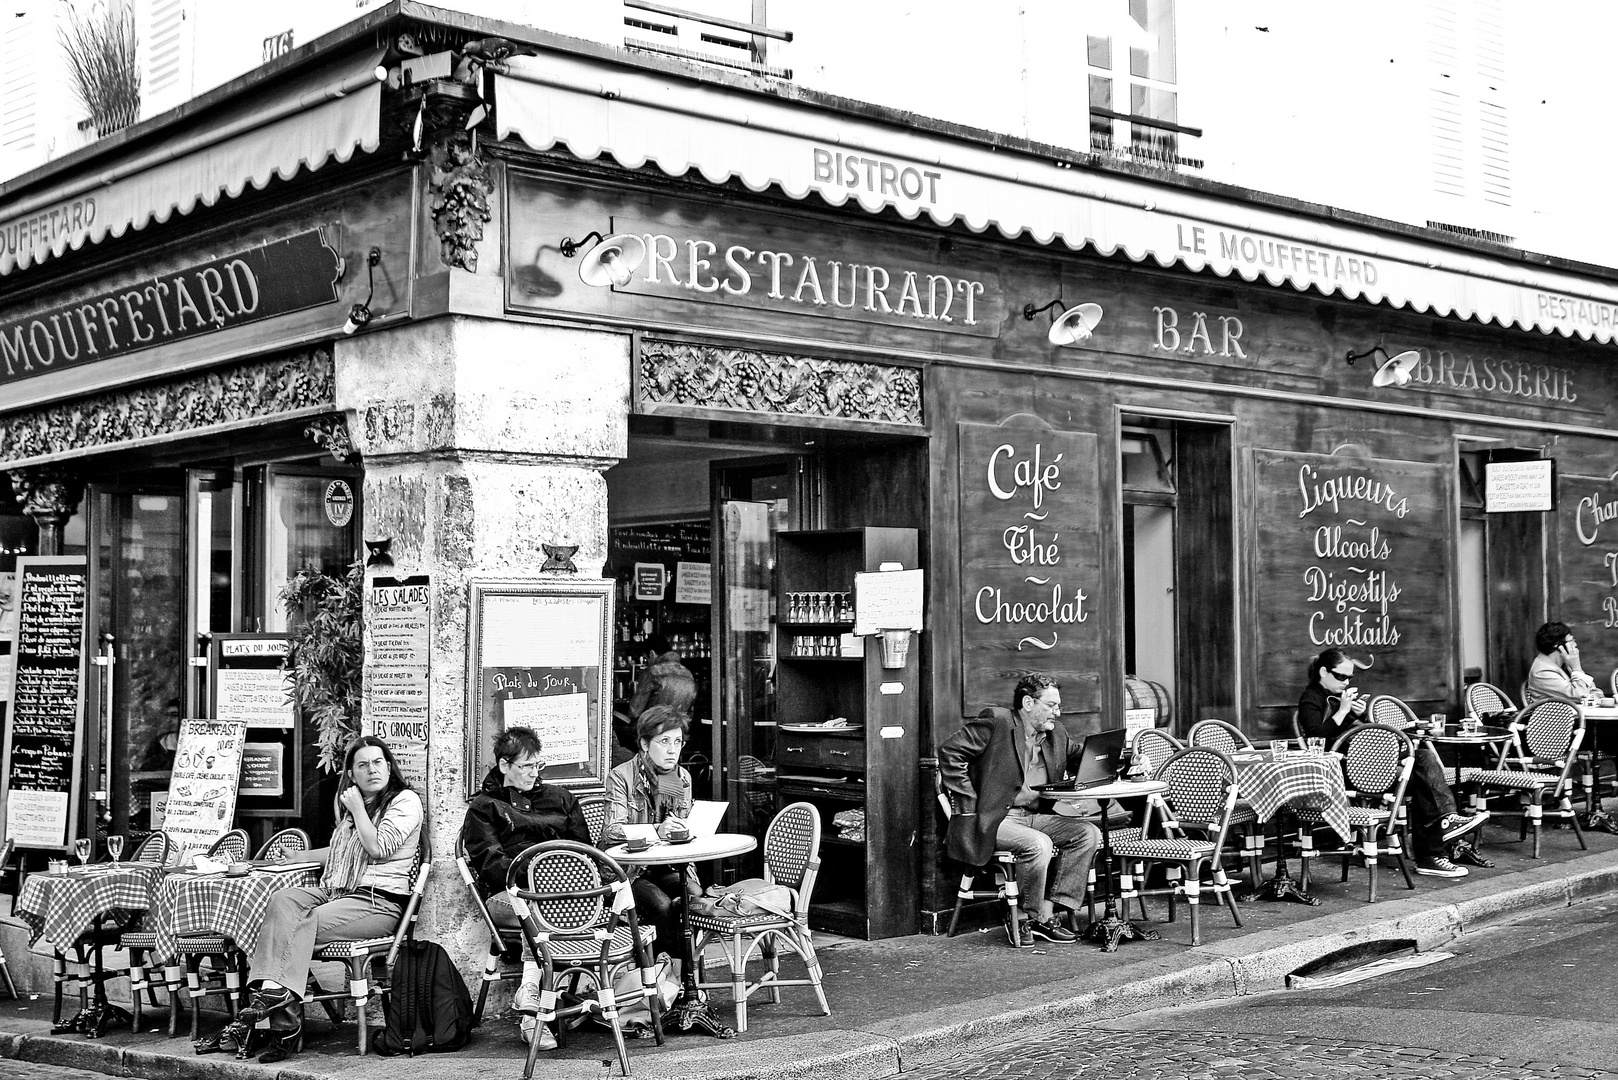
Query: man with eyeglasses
[[992, 769], [514, 810], [1329, 706], [1556, 674]]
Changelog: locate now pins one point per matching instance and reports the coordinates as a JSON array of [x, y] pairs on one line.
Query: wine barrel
[[1145, 694]]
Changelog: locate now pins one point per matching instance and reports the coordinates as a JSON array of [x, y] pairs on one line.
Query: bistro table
[[1596, 818], [1297, 780], [1110, 930], [63, 906], [690, 1012], [1465, 849]]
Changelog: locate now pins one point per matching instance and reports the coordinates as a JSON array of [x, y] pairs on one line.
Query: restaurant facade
[[351, 307]]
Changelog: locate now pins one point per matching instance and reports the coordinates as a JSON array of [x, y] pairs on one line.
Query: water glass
[[1316, 746], [115, 847], [1278, 748], [1436, 722]]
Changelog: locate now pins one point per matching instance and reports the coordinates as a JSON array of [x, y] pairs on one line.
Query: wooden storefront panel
[[1587, 543]]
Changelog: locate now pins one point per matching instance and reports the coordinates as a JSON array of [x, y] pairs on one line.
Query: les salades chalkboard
[[41, 772]]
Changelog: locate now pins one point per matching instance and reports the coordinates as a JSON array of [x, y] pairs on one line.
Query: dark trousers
[[657, 893], [1431, 800]]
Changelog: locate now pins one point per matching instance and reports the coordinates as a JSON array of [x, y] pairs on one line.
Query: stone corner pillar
[[482, 441]]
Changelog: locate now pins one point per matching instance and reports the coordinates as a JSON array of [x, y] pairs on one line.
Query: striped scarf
[[346, 859], [669, 789]]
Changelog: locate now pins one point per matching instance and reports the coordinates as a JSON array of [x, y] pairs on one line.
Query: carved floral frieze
[[721, 377], [259, 388]]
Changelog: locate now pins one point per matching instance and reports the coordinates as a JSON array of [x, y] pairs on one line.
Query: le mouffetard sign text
[[1030, 563], [773, 265], [1587, 523], [1351, 556], [250, 286]]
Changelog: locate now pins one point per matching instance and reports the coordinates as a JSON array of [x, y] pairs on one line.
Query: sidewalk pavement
[[904, 1003]]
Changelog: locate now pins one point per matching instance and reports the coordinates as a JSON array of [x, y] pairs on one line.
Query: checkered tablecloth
[[1314, 783], [63, 907], [190, 904]]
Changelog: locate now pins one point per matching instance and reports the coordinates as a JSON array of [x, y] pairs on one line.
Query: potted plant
[[326, 655]]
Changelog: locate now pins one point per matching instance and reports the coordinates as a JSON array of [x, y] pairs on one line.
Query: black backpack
[[428, 1009]]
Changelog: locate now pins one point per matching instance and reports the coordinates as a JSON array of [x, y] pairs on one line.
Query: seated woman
[[514, 810], [1329, 706], [653, 789], [364, 888]]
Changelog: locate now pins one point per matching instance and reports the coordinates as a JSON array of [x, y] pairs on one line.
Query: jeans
[[1431, 800], [1037, 839], [655, 890], [299, 920]]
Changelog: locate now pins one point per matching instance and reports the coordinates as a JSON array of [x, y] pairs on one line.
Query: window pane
[[1157, 61], [300, 534], [1100, 51], [1100, 92]]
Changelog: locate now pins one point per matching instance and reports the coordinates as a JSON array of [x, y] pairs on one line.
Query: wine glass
[[81, 848], [115, 847]]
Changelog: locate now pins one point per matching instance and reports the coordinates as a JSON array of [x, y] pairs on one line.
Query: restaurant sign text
[[1588, 521], [249, 286]]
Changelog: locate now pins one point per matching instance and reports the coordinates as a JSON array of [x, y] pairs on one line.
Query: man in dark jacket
[[991, 768], [516, 809]]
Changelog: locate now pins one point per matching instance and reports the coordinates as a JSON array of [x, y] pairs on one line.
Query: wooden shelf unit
[[867, 887]]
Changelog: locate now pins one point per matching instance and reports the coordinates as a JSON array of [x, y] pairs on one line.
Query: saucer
[[687, 840]]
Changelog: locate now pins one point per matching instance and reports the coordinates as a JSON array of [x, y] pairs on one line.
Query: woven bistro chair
[[231, 847], [109, 931], [1488, 702], [285, 842], [791, 858], [1192, 818], [594, 806], [504, 960], [1218, 735], [1548, 735], [1002, 870], [1377, 764], [578, 918]]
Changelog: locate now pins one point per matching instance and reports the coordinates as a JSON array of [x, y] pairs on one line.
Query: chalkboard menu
[[41, 771], [1030, 563], [1587, 540], [539, 658], [1351, 553]]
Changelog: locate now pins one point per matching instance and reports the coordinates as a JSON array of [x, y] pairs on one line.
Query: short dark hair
[[1030, 686], [658, 719], [517, 742], [1328, 660], [1549, 638]]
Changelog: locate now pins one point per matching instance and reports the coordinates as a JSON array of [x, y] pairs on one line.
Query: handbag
[[751, 896]]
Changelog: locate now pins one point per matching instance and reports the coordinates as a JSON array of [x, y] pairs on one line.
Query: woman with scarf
[[364, 887], [516, 809], [652, 789]]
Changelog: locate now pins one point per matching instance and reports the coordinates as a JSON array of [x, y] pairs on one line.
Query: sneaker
[[1440, 867], [1024, 926], [1454, 825], [1050, 931], [547, 1040], [526, 1000]]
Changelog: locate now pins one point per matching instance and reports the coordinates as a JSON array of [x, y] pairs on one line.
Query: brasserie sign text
[[260, 283]]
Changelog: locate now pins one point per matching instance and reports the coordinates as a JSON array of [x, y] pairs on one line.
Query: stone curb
[[1241, 966]]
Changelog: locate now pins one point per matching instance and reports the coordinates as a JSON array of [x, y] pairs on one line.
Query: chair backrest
[[792, 846], [285, 842], [1152, 747], [464, 864], [1612, 683], [232, 847], [1218, 735], [156, 848], [1484, 700], [569, 887], [1547, 729], [1377, 759], [1389, 711], [1202, 786], [594, 806]]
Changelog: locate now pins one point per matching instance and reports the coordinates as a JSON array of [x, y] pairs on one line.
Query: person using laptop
[[1329, 706], [992, 769]]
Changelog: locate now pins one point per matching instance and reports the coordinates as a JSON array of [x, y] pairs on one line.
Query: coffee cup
[[637, 843]]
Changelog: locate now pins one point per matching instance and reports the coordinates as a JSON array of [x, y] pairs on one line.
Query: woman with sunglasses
[[515, 809], [1328, 705]]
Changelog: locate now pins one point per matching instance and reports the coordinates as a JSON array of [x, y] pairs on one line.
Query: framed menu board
[[42, 768], [249, 683], [540, 657]]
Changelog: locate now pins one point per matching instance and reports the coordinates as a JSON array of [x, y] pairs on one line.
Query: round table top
[[1599, 712], [700, 849], [1118, 789], [1453, 735]]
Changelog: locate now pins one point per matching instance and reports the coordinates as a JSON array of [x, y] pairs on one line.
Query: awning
[[302, 123], [643, 117]]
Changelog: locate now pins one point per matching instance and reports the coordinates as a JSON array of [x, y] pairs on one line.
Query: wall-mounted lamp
[[610, 262], [1395, 370], [1074, 326], [360, 313]]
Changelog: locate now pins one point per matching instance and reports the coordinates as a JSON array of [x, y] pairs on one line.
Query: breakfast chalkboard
[[202, 790], [540, 658], [41, 770], [1030, 563], [1352, 552]]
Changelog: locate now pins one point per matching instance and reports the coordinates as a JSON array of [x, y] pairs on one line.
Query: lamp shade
[[1075, 324], [612, 261], [1396, 371]]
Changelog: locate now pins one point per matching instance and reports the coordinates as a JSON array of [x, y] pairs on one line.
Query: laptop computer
[[1100, 761]]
